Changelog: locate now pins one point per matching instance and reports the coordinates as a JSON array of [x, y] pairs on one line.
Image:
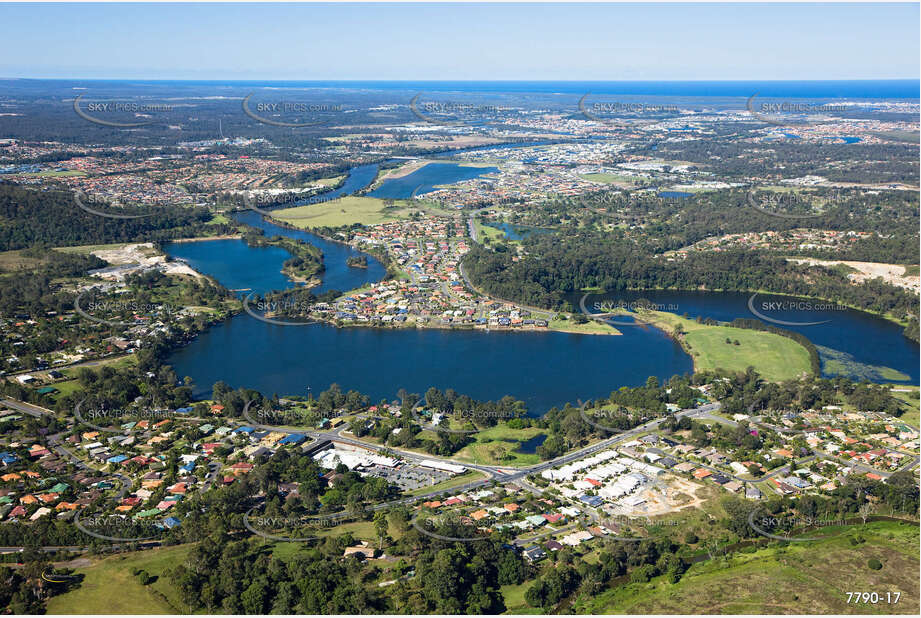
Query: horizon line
[[530, 81]]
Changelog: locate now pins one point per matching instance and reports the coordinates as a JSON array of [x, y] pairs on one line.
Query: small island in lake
[[306, 262], [357, 261]]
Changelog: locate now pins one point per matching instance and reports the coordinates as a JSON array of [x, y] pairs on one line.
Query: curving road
[[497, 473]]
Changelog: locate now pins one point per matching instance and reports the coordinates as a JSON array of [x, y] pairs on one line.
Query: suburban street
[[493, 473]]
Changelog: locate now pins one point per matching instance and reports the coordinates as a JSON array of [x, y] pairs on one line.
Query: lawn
[[496, 452], [513, 596], [911, 399], [810, 578], [343, 211], [72, 385], [504, 432], [218, 219], [610, 178], [363, 530], [65, 388], [56, 174], [774, 357], [487, 233], [110, 588], [592, 327], [122, 360], [329, 182], [498, 445]]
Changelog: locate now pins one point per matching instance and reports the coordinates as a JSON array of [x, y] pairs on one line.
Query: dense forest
[[34, 291], [30, 217], [786, 158], [557, 267], [659, 224]]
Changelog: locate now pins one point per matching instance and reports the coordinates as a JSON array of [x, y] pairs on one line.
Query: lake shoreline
[[207, 238], [885, 316]]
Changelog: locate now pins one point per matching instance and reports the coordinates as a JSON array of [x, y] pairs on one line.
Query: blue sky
[[461, 41]]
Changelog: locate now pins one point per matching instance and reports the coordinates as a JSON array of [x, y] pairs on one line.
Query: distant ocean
[[876, 89]]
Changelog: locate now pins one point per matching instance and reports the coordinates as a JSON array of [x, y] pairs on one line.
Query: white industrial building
[[443, 466], [330, 458]]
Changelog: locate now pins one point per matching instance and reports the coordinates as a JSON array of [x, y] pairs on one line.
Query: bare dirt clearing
[[890, 273]]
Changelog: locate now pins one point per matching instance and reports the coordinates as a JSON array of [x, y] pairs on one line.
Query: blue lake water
[[238, 266], [358, 178], [234, 264], [544, 369], [518, 232], [530, 446], [426, 178], [675, 194]]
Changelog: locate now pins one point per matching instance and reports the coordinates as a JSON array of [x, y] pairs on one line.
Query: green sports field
[[343, 211], [774, 357]]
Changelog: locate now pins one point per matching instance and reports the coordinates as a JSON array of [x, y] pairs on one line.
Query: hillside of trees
[[558, 266]]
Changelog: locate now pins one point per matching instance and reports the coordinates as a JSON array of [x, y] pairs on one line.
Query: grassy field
[[12, 261], [496, 452], [592, 327], [497, 446], [218, 219], [343, 211], [56, 174], [610, 178], [363, 530], [110, 588], [328, 182], [810, 578], [487, 233], [67, 387], [911, 416], [774, 357], [513, 596], [503, 432]]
